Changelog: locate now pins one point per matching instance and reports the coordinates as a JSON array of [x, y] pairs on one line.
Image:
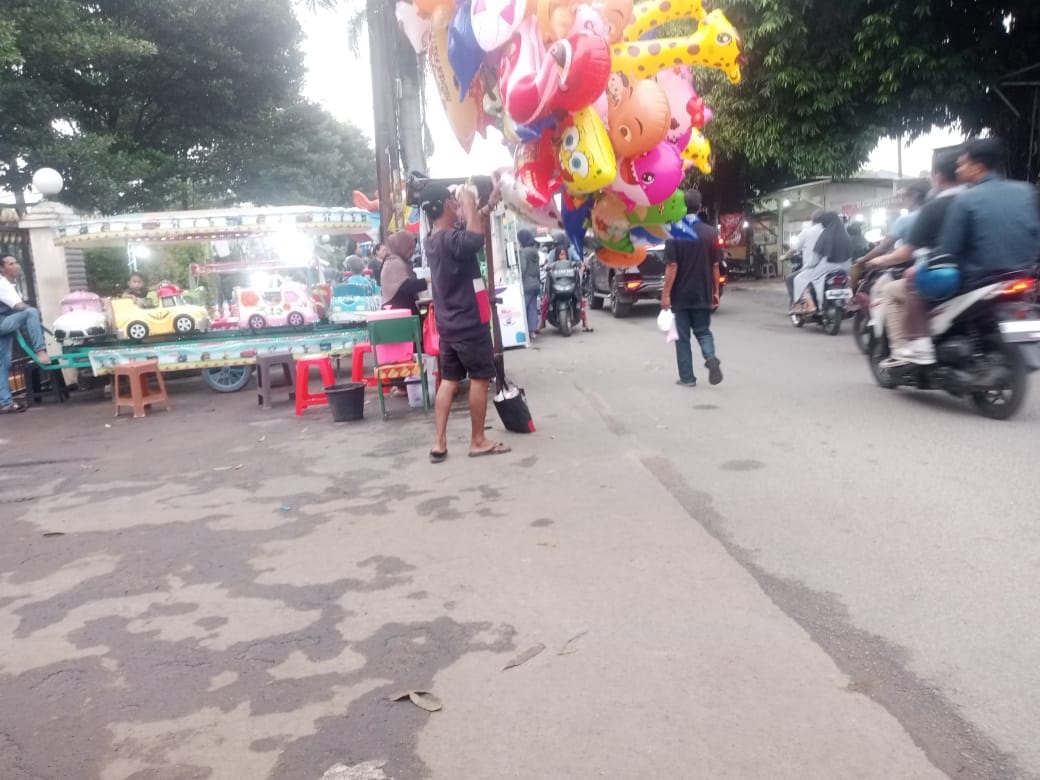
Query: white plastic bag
[[665, 320], [673, 334]]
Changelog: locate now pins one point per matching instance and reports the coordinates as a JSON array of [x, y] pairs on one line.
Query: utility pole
[[397, 102], [383, 81]]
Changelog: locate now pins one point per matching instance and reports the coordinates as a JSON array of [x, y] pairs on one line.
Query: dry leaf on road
[[525, 656], [422, 699]]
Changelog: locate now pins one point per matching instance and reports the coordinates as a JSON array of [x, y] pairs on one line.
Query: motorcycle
[[836, 296], [563, 295], [987, 341], [859, 309]]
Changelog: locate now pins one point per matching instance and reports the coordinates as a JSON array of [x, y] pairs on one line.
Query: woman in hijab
[[832, 252], [401, 288]]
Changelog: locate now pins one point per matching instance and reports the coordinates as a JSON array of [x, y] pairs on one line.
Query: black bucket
[[347, 401]]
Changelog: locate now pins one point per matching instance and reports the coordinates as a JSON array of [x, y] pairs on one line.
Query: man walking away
[[463, 312], [530, 276], [689, 291], [15, 314]]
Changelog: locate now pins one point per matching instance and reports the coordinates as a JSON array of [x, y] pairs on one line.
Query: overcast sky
[[342, 83]]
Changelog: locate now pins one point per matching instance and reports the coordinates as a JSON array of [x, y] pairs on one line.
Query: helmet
[[937, 278]]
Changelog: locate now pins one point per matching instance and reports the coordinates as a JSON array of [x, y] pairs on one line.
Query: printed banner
[[241, 351]]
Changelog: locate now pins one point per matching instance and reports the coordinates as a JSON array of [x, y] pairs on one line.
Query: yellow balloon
[[651, 14], [697, 152], [715, 44], [586, 158]]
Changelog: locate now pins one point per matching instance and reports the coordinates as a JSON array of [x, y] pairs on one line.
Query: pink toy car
[[288, 304], [83, 315]]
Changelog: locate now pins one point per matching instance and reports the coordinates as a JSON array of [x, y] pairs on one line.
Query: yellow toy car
[[171, 316]]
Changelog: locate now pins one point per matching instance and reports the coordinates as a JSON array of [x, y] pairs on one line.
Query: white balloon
[[415, 28]]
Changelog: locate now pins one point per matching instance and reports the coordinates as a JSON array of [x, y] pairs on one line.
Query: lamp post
[[47, 182]]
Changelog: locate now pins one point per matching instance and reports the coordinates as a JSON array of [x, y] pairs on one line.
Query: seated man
[[804, 242], [906, 311], [14, 315]]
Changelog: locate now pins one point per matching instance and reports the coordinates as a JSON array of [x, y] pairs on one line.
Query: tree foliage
[[181, 103], [825, 80]]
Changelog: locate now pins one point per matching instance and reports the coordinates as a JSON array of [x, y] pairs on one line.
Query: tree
[[50, 49], [150, 105], [824, 81]]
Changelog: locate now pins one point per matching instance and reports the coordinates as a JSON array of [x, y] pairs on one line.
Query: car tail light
[[634, 285], [1018, 287]]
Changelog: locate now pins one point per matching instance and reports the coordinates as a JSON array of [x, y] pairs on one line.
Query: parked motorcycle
[[563, 295], [987, 341], [836, 296]]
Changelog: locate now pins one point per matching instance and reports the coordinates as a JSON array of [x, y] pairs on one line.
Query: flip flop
[[438, 457], [498, 448]]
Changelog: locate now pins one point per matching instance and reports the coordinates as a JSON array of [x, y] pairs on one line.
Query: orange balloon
[[616, 259], [427, 7]]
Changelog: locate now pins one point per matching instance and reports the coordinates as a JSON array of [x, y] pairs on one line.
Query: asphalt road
[[794, 574], [900, 529]]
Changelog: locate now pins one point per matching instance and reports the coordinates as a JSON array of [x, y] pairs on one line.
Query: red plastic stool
[[357, 366], [304, 396]]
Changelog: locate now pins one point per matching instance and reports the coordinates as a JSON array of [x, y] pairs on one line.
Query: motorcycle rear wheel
[[1002, 403], [831, 318]]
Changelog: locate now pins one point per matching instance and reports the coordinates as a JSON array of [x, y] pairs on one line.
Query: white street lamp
[[47, 182]]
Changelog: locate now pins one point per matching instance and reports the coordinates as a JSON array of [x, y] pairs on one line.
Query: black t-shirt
[[455, 278], [694, 286], [929, 222]]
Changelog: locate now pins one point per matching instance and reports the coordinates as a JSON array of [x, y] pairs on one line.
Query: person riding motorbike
[[991, 229], [906, 317], [831, 252], [562, 252]]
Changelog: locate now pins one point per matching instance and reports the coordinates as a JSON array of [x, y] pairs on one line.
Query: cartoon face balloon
[[637, 114], [650, 178], [617, 15], [587, 162]]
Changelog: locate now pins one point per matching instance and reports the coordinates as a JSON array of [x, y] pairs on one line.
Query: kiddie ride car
[[285, 302], [172, 316], [84, 316]]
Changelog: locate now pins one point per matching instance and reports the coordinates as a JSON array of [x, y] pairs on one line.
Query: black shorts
[[474, 357]]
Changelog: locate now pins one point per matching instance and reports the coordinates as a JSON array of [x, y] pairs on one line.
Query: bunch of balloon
[[596, 106]]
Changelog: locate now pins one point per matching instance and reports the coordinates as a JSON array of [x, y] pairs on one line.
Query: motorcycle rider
[[804, 242], [832, 252], [562, 252], [991, 229], [913, 196], [906, 311]]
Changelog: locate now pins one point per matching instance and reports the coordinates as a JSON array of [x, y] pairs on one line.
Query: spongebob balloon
[[715, 44], [587, 161]]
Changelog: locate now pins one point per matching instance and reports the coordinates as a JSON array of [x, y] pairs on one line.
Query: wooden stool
[[265, 364], [140, 393], [304, 397]]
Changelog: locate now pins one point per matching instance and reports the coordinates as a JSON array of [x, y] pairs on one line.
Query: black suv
[[624, 287]]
